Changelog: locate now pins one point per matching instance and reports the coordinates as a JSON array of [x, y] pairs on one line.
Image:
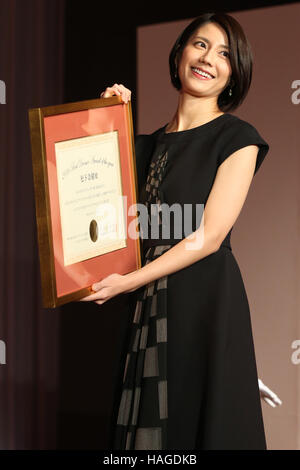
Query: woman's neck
[[193, 112]]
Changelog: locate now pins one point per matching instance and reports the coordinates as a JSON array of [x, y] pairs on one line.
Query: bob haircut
[[240, 56]]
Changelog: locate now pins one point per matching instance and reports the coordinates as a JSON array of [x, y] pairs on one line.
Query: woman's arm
[[223, 207]]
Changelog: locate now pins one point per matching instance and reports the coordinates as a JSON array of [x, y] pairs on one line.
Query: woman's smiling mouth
[[201, 74]]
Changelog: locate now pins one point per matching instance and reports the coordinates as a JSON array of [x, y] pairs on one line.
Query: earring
[[176, 70], [230, 92]]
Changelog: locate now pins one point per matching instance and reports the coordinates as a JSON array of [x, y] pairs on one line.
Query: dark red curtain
[[31, 65]]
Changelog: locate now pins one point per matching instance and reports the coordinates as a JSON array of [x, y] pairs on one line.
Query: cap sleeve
[[239, 135]]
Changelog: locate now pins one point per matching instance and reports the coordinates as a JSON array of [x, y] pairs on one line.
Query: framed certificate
[[85, 183]]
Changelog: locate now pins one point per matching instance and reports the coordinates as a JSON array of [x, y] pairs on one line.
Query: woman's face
[[205, 50]]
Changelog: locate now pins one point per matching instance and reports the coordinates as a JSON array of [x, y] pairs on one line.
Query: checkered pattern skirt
[[143, 411]]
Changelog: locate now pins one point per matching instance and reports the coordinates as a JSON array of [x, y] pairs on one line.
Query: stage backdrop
[[265, 239]]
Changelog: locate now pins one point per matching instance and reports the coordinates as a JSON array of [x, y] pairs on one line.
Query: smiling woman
[[228, 41], [190, 378]]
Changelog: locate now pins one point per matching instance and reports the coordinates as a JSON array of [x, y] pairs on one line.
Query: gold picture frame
[[65, 139]]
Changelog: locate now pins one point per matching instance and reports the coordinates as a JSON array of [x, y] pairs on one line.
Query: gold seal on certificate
[[94, 230], [85, 183]]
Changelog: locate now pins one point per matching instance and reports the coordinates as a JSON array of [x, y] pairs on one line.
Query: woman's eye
[[202, 43], [199, 42]]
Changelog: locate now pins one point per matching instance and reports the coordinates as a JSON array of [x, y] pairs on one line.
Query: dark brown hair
[[240, 56]]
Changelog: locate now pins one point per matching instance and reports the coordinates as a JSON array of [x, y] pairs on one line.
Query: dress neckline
[[194, 130]]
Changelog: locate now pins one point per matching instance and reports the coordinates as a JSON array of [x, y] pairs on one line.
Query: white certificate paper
[[90, 196]]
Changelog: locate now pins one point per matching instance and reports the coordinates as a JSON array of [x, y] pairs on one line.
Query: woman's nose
[[207, 56]]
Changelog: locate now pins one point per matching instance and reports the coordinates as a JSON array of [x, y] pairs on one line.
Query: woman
[[190, 380]]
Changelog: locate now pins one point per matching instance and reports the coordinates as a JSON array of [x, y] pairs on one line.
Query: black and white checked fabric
[[143, 410], [154, 196]]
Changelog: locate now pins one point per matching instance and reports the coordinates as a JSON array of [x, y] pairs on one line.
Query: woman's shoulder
[[236, 127], [236, 122], [238, 133]]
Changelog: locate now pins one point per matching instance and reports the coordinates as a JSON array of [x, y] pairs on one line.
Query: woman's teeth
[[200, 72]]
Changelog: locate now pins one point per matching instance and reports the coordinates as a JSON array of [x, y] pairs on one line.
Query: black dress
[[190, 380]]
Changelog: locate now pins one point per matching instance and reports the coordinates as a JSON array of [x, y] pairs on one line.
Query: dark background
[[61, 382]]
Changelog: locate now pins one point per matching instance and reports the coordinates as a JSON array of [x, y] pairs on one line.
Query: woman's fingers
[[107, 288], [125, 93], [109, 92], [94, 296], [119, 90], [98, 294]]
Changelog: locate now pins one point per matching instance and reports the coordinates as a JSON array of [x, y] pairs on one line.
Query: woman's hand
[[109, 287], [118, 90]]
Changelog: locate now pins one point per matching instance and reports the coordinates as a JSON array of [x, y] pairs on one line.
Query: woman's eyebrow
[[208, 41]]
